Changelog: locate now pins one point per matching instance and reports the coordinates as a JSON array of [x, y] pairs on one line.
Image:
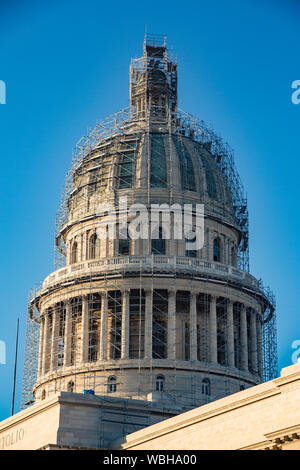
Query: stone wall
[[264, 417]]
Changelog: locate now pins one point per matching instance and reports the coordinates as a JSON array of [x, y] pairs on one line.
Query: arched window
[[74, 253], [189, 240], [158, 242], [43, 394], [217, 250], [205, 387], [124, 242], [94, 247], [70, 386], [159, 385], [112, 384]]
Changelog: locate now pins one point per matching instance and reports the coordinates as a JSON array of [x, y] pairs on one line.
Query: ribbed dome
[[155, 161], [174, 162]]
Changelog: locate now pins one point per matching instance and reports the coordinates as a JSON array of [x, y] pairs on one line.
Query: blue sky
[[65, 65]]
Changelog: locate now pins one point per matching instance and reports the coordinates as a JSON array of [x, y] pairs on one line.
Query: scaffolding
[[31, 350], [269, 336], [116, 142], [95, 374]]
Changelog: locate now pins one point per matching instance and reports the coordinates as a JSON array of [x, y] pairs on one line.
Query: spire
[[153, 81]]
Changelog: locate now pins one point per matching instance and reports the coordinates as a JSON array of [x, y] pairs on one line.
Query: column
[[207, 241], [193, 327], [85, 329], [54, 339], [125, 325], [213, 329], [244, 338], [172, 324], [230, 335], [68, 334], [224, 257], [253, 338], [81, 247], [41, 345], [46, 341], [68, 250], [85, 247], [148, 323], [103, 332], [259, 347]]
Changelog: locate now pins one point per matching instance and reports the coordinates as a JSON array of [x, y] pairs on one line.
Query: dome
[[151, 317], [169, 166]]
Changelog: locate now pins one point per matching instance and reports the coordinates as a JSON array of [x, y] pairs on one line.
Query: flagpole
[[15, 371]]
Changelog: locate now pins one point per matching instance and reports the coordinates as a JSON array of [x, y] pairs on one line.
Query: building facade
[[148, 317]]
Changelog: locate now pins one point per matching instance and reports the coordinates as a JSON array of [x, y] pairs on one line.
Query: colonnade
[[241, 337]]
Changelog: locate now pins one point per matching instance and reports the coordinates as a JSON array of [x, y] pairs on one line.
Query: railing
[[146, 263]]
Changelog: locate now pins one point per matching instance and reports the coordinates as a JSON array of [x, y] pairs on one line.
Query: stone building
[[263, 417], [150, 321]]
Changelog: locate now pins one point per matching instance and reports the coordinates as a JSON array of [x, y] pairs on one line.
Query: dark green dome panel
[[186, 165], [158, 165]]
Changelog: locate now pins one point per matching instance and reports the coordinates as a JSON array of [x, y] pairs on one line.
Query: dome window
[[190, 238], [74, 253], [217, 250], [158, 242], [159, 384], [112, 384], [70, 386], [94, 247], [205, 387], [124, 242]]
